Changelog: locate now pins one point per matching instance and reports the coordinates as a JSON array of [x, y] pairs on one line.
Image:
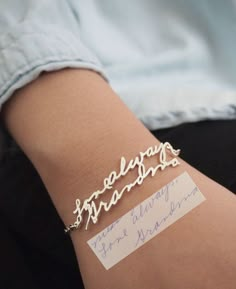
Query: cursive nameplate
[[146, 220], [92, 206]]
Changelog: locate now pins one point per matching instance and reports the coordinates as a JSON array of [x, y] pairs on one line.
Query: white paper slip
[[146, 220]]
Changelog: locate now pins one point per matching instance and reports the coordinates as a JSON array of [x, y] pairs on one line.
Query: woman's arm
[[74, 129]]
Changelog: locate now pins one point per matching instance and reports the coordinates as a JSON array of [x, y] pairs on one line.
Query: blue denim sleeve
[[38, 36]]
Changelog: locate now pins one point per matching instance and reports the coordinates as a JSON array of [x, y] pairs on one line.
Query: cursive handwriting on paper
[[144, 233], [146, 220]]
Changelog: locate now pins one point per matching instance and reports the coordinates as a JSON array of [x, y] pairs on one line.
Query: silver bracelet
[[93, 210]]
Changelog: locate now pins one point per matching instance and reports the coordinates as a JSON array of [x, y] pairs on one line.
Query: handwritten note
[[146, 220]]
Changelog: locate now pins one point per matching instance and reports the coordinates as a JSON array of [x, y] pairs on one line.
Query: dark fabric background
[[35, 252]]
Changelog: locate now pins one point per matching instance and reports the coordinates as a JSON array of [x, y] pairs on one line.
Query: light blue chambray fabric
[[171, 61]]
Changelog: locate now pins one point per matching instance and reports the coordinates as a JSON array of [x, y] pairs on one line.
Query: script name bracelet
[[91, 208]]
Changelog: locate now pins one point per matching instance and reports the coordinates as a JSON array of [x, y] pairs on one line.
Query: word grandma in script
[[92, 206], [145, 221]]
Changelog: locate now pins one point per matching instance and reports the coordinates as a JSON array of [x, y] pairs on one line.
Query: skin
[[74, 129]]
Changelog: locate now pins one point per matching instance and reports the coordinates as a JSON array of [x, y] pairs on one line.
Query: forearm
[[75, 129]]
